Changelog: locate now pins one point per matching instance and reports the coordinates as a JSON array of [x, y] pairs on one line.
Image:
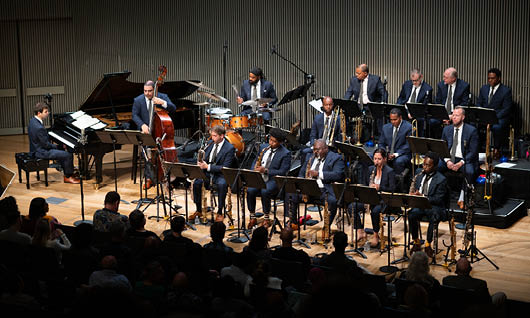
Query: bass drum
[[237, 141]]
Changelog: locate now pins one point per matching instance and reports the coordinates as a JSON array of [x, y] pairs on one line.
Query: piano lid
[[115, 89]]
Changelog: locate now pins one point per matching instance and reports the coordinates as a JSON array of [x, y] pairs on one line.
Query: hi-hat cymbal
[[199, 85], [201, 104], [249, 103], [213, 96]]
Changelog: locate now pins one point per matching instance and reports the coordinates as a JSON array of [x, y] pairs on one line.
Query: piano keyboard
[[68, 143]]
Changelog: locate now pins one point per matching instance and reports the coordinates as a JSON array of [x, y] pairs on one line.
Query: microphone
[[273, 50]]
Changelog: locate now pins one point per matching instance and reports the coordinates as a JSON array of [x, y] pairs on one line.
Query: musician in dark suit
[[394, 139], [218, 154], [433, 185], [451, 92], [415, 90], [257, 87], [497, 96], [326, 167], [141, 116], [41, 147], [275, 161], [365, 88], [383, 180]]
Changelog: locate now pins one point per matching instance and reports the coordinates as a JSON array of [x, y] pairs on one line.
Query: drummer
[[257, 87]]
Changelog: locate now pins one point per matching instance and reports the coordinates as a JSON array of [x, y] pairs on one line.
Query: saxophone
[[307, 168], [325, 228], [452, 247], [468, 232], [370, 183], [412, 188], [343, 126], [382, 238], [229, 208], [258, 160]]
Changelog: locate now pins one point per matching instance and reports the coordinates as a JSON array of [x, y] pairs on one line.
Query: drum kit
[[233, 124]]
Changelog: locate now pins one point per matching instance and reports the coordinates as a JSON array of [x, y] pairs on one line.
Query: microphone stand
[[308, 79], [225, 48]]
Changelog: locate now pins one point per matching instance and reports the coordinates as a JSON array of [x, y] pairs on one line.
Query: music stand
[[349, 107], [299, 186], [481, 115], [407, 201], [114, 137], [187, 171], [423, 145], [143, 140], [295, 93]]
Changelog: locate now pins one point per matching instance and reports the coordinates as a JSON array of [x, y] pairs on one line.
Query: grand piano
[[110, 103]]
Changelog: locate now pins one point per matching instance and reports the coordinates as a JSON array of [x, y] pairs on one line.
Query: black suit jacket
[[333, 169], [225, 157], [501, 101], [460, 95], [141, 114], [469, 142], [39, 141], [266, 91], [437, 190], [421, 96], [281, 162], [388, 179]]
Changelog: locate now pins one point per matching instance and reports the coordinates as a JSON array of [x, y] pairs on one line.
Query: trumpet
[[416, 160]]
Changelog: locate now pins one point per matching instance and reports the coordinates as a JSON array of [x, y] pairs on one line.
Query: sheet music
[[99, 125], [317, 104], [85, 121], [77, 114]]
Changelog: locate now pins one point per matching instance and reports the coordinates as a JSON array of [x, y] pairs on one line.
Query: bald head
[[109, 262], [463, 267], [327, 105], [287, 236], [450, 75]]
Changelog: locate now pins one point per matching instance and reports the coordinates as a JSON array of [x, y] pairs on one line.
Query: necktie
[[214, 154], [425, 187], [267, 164], [151, 113], [317, 167], [326, 130], [453, 147], [394, 136], [254, 95], [449, 99], [413, 96], [490, 96], [361, 93]]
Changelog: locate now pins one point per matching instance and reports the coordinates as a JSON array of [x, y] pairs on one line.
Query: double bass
[[163, 131]]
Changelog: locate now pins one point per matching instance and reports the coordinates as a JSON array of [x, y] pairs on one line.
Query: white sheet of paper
[[505, 165], [317, 104]]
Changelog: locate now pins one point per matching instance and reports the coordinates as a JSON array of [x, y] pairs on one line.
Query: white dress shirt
[[453, 87], [417, 89], [428, 184], [147, 103], [364, 83], [458, 153], [220, 145], [494, 89], [320, 172]]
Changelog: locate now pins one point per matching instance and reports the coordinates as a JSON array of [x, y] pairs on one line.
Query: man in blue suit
[[394, 138], [41, 147], [433, 185], [142, 113], [451, 92], [257, 87], [415, 90], [365, 88], [326, 167], [218, 154], [462, 141], [275, 161], [497, 96]]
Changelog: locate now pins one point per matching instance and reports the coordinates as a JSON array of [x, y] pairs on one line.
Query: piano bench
[[30, 164]]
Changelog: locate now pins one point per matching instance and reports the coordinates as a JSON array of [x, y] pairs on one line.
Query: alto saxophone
[[325, 228], [260, 157], [307, 168], [412, 188]]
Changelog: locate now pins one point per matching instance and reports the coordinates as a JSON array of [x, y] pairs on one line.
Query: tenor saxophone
[[308, 166], [468, 232]]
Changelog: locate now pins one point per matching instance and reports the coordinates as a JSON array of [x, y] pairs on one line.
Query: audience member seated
[[37, 209], [137, 221], [12, 232], [178, 224], [13, 294], [463, 280], [107, 277], [6, 204], [103, 218], [150, 286], [181, 298], [82, 258], [44, 237], [338, 261], [288, 253], [119, 249], [226, 303], [217, 233], [416, 300], [418, 271], [240, 268], [259, 244], [262, 287]]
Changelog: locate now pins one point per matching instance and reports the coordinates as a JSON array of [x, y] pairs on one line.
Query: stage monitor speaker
[[6, 177]]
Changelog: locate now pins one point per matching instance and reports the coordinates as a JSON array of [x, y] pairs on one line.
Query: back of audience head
[[259, 240], [112, 201], [217, 231], [8, 207], [418, 269], [340, 241], [463, 267], [153, 272], [137, 220], [287, 236], [117, 231], [42, 233], [83, 235], [109, 262], [38, 208], [416, 297], [178, 223]]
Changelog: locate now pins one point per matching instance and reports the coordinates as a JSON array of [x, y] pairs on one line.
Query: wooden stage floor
[[508, 248]]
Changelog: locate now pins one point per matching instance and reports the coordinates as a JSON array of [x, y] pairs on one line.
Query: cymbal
[[268, 110], [264, 100], [199, 85], [257, 102], [213, 96], [201, 104], [219, 111], [249, 103]]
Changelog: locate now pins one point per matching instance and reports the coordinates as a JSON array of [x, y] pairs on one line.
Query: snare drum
[[237, 141], [237, 122]]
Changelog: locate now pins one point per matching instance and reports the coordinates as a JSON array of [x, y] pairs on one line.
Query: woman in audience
[[38, 208], [418, 271], [259, 244], [44, 237]]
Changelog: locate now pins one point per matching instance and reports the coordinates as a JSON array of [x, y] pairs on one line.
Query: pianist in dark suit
[[218, 154], [497, 96], [41, 147], [140, 115], [257, 87], [394, 139], [275, 161]]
